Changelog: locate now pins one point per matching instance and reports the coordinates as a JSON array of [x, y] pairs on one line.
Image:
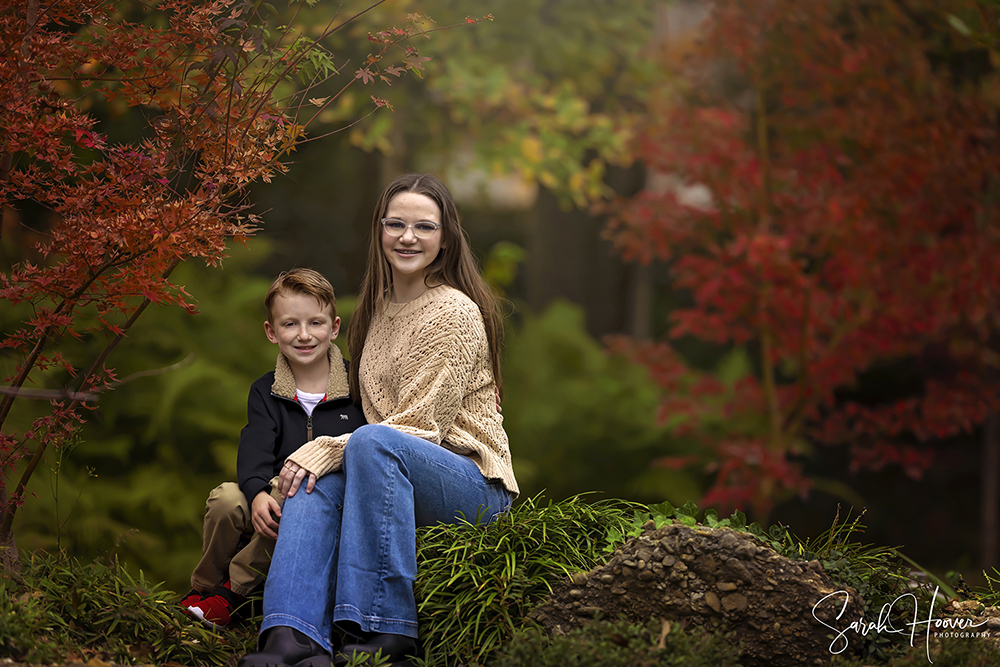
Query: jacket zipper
[[309, 418]]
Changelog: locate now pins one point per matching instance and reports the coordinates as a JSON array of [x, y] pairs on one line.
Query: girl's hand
[[291, 478]]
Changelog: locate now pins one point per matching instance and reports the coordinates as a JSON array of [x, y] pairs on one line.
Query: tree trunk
[[641, 312], [991, 491], [10, 562]]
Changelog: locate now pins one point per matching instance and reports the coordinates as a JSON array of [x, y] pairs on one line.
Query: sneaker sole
[[200, 615]]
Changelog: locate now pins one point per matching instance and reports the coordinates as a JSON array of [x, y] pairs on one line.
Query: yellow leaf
[[531, 149]]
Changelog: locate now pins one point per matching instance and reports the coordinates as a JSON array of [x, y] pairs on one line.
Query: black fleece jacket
[[277, 425]]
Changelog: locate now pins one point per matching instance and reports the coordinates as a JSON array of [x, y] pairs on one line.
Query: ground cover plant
[[476, 587], [64, 610], [616, 643]]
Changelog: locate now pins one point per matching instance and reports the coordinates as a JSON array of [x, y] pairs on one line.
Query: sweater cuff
[[322, 455]]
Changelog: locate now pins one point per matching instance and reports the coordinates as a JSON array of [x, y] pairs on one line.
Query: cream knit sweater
[[426, 371]]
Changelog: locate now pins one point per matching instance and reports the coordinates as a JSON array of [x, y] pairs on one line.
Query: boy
[[306, 396]]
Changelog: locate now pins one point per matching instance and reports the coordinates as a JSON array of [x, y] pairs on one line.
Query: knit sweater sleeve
[[322, 455]]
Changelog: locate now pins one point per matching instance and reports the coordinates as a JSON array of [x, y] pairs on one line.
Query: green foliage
[[500, 267], [616, 643], [551, 90], [581, 418], [65, 609], [657, 516], [546, 90], [475, 586], [154, 448], [991, 596]]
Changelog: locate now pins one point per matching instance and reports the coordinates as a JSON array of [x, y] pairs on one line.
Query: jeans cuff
[[393, 626]]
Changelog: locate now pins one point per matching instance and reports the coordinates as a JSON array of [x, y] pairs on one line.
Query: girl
[[424, 344]]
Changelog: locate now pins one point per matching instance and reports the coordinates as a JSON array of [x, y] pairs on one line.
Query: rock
[[991, 611], [734, 602], [711, 578], [968, 607]]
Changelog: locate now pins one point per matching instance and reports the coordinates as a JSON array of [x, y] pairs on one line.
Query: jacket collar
[[336, 384]]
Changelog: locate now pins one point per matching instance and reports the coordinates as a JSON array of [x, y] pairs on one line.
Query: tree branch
[[8, 515], [6, 161], [767, 376], [796, 415]]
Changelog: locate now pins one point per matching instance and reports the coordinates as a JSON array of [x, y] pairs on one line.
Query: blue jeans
[[347, 551]]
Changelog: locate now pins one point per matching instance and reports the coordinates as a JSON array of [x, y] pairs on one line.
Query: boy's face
[[302, 328]]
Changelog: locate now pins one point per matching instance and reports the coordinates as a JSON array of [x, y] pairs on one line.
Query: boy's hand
[[291, 477], [262, 514]]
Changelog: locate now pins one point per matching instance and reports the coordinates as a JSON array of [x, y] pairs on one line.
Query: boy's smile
[[302, 328]]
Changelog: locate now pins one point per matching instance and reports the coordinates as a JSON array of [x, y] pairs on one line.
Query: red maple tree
[[223, 98], [853, 165]]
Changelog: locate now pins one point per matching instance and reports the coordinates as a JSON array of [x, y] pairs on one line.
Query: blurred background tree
[[823, 190]]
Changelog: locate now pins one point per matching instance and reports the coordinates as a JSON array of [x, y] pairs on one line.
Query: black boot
[[287, 647], [397, 648]]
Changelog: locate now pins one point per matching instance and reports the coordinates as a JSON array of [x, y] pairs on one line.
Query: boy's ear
[[336, 328], [269, 332]]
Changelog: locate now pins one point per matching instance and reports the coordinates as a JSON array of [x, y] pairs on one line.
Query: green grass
[[476, 585], [65, 609]]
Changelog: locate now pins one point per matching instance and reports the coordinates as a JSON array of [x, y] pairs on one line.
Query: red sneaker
[[192, 597], [216, 609]]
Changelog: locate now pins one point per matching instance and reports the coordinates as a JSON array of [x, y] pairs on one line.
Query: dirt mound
[[717, 579]]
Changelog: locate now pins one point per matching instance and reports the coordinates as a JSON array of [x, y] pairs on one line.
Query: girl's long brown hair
[[454, 266]]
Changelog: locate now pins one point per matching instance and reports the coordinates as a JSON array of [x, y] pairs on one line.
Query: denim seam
[[370, 618], [384, 548]]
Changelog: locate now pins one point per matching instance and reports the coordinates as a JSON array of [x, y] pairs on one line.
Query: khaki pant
[[231, 549]]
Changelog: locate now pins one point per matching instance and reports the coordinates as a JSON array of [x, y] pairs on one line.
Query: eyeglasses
[[423, 229]]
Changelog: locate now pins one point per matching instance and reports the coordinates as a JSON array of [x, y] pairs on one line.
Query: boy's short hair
[[301, 281]]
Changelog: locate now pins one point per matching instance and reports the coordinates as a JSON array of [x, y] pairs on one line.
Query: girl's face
[[408, 255]]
